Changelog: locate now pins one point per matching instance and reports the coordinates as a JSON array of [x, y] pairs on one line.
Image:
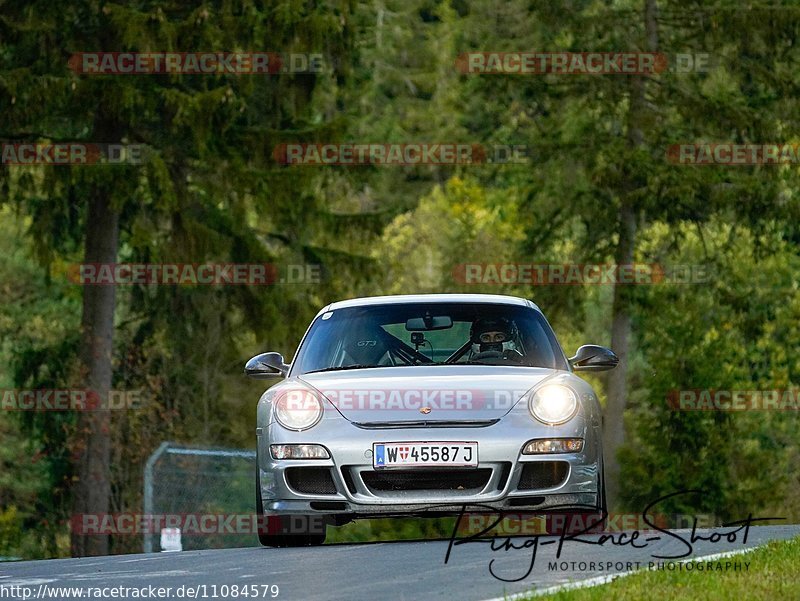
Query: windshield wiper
[[492, 364], [344, 367], [486, 364], [466, 363]]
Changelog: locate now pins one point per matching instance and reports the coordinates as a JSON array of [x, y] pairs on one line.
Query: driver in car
[[493, 338]]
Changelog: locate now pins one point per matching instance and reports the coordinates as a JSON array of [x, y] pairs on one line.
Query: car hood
[[404, 394]]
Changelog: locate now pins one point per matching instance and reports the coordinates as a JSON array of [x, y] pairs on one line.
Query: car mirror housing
[[591, 357], [266, 365]]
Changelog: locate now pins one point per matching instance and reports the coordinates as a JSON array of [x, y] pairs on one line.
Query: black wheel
[[268, 539], [602, 505], [602, 500]]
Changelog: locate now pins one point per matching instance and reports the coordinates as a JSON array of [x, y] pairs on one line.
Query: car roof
[[493, 299]]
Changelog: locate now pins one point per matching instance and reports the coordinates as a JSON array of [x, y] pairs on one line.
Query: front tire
[[270, 539], [601, 517], [602, 500]]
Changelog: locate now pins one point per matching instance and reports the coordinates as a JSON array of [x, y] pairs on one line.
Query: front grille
[[311, 480], [505, 472], [417, 480], [347, 476], [543, 474]]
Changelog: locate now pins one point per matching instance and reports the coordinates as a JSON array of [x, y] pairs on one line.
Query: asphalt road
[[412, 571]]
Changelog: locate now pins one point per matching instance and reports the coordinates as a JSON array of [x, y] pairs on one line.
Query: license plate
[[424, 454]]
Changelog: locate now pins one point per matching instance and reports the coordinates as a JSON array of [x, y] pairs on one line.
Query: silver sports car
[[424, 404]]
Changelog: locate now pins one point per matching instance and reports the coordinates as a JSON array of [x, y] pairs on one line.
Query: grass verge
[[772, 574]]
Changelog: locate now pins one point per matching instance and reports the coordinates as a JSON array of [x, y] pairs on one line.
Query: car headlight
[[298, 409], [553, 404]]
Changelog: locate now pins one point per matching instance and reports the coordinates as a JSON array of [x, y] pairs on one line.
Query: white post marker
[[171, 540]]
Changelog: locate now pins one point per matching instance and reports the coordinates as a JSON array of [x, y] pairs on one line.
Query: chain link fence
[[186, 481]]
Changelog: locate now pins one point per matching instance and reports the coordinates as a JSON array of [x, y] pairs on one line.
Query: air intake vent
[[455, 480], [543, 474], [311, 480]]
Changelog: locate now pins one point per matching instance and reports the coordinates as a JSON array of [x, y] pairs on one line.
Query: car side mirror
[[591, 357], [266, 365]]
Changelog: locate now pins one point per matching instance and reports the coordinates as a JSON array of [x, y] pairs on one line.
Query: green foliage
[[37, 325], [721, 334], [453, 225]]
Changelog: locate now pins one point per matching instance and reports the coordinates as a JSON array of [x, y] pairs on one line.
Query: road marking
[[122, 575], [598, 580]]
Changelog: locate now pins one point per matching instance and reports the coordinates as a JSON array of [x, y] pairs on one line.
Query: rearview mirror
[[424, 324], [591, 357], [266, 365]]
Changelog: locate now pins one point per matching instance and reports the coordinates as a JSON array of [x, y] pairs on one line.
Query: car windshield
[[396, 335]]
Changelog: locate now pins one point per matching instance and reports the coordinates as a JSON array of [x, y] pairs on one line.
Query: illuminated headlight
[[298, 409], [553, 445], [299, 451], [553, 404]]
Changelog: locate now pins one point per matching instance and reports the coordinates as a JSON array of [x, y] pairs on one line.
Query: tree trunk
[[92, 491], [614, 424]]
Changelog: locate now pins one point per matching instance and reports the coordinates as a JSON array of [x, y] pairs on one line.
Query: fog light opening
[[299, 451]]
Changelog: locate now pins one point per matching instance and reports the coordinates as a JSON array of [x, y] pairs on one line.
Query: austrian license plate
[[424, 454]]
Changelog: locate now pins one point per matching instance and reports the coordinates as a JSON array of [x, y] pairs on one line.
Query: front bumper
[[502, 481]]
